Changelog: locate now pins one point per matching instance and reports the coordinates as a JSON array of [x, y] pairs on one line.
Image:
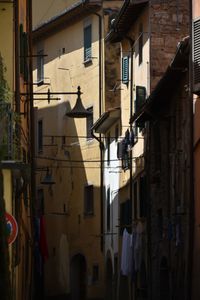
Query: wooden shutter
[[196, 56], [87, 43], [125, 69]]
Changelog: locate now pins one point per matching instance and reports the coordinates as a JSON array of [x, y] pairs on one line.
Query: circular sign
[[12, 228]]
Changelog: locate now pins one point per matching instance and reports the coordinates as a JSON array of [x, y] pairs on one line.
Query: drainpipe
[[131, 42], [17, 72], [191, 141], [32, 144], [101, 146]]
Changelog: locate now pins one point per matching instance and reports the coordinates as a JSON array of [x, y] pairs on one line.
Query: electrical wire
[[82, 161]]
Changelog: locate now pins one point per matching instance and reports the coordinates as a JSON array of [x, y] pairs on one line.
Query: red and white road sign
[[12, 228]]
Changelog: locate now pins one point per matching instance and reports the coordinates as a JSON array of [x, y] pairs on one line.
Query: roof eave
[[81, 8], [105, 122], [122, 24]]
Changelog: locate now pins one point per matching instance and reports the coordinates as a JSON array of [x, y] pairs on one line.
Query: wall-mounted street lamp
[[77, 112]]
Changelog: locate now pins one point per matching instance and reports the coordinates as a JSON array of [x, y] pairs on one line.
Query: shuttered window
[[89, 123], [140, 97], [87, 43], [125, 69], [196, 56], [89, 200], [40, 66]]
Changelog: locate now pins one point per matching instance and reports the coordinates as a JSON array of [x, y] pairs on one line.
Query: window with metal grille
[[196, 56], [125, 69], [87, 43], [89, 123], [89, 200]]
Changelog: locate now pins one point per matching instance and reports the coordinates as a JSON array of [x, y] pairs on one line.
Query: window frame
[[89, 200], [140, 44], [89, 123], [87, 43], [40, 67]]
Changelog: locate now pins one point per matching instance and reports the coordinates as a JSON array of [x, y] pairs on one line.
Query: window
[[108, 209], [40, 136], [87, 43], [125, 69], [40, 67], [196, 56], [89, 200], [140, 97], [89, 123], [125, 216], [40, 202], [140, 44], [95, 273]]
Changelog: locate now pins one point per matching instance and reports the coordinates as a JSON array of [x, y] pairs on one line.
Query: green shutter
[[125, 69], [140, 97], [87, 42]]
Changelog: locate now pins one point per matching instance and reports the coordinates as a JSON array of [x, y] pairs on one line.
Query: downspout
[[192, 200], [101, 146], [17, 72], [131, 42], [32, 144]]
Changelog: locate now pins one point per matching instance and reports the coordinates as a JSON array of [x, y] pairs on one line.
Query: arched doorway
[[164, 280], [78, 277], [109, 279]]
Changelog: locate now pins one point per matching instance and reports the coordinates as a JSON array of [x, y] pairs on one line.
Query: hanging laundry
[[126, 255]]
